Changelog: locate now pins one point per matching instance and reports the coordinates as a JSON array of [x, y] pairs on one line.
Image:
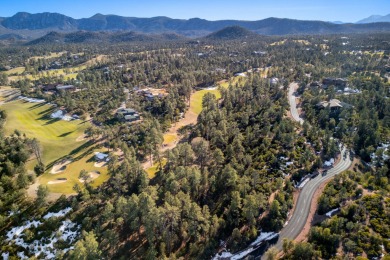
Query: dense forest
[[233, 173]]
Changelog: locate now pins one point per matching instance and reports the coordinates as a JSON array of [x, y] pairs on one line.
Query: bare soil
[[57, 181], [81, 138], [60, 167], [100, 164], [93, 175]]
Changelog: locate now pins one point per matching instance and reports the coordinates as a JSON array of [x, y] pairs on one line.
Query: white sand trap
[[58, 181], [93, 175], [60, 167], [81, 138], [100, 164]]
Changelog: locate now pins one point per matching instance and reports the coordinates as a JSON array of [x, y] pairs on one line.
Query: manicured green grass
[[196, 99], [72, 175], [57, 138]]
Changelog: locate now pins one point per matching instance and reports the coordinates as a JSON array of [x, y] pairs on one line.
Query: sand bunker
[[57, 181], [81, 138], [60, 167], [100, 164], [92, 175]]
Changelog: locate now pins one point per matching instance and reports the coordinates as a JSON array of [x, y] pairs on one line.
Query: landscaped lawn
[[151, 171], [17, 70], [72, 73], [169, 138], [57, 138], [197, 97]]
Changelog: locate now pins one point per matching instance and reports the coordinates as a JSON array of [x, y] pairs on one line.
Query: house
[[65, 87], [220, 70], [127, 114], [259, 53], [59, 114], [333, 104], [274, 81], [315, 84], [338, 82], [240, 74], [50, 87], [101, 157]]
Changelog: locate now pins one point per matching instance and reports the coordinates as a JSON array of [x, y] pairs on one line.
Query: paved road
[[293, 104], [301, 213], [302, 209]]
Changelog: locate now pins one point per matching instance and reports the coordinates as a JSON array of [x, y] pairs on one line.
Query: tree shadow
[[88, 152], [48, 120], [82, 147], [51, 121], [46, 111], [85, 121], [91, 159], [36, 105], [65, 134]]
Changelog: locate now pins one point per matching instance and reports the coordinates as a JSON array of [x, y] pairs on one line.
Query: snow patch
[[31, 100], [5, 255], [17, 231], [329, 163], [21, 255], [45, 247], [330, 213], [264, 236], [60, 213]]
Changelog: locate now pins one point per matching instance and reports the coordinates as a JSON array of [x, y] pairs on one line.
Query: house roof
[[127, 111], [65, 87], [101, 156], [57, 114], [333, 103]]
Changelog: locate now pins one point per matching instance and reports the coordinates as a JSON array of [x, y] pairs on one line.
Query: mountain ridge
[[375, 19], [29, 24]]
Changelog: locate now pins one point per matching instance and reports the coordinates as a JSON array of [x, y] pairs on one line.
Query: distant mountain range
[[31, 26], [103, 37], [375, 19]]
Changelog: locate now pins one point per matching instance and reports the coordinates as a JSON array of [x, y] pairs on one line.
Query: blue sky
[[326, 10]]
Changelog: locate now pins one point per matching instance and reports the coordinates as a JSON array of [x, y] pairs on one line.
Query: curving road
[[298, 220], [301, 212], [302, 208], [293, 104]]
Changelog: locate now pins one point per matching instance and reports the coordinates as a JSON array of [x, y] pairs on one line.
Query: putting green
[[58, 140]]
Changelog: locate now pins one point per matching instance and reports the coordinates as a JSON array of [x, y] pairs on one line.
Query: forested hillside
[[188, 149]]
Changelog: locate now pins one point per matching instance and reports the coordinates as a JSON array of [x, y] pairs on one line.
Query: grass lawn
[[151, 171], [57, 138], [17, 70], [169, 138], [72, 175], [52, 55], [72, 73], [196, 99]]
